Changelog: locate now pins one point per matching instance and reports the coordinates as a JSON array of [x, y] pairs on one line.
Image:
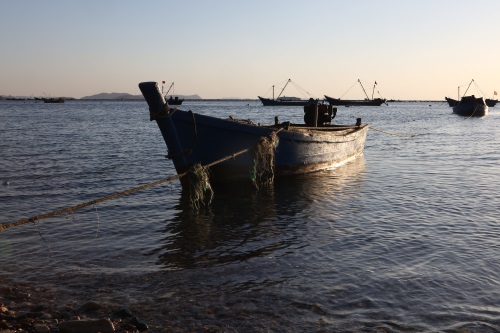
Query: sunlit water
[[405, 238]]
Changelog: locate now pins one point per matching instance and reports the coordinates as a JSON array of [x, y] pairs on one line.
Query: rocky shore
[[33, 310]]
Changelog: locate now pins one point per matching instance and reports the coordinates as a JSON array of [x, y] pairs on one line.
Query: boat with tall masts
[[287, 101], [172, 100], [365, 102]]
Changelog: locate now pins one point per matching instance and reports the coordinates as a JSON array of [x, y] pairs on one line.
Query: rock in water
[[87, 326]]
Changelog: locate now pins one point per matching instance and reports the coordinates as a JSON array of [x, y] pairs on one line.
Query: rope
[[394, 134], [349, 89], [70, 210]]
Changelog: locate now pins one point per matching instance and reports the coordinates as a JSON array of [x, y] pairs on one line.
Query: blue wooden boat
[[193, 138]]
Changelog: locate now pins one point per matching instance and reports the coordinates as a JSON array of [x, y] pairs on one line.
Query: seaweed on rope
[[262, 173], [200, 190]]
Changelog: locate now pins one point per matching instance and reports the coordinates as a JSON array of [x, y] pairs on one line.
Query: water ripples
[[404, 238]]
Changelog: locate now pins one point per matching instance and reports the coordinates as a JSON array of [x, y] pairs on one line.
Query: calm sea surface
[[403, 239]]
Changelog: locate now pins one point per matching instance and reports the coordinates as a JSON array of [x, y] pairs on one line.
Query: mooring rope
[[70, 210], [394, 134]]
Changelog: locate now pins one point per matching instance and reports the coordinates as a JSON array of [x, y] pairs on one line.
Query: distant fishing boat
[[471, 106], [172, 100], [299, 148], [489, 102], [53, 100], [287, 101], [365, 102]]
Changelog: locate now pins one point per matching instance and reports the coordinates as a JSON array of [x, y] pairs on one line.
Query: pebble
[[31, 310], [87, 326], [41, 328], [91, 306], [139, 324]]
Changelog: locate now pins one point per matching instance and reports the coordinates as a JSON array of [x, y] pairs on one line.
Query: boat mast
[[373, 91], [169, 89], [273, 92], [284, 87], [363, 89], [468, 87]]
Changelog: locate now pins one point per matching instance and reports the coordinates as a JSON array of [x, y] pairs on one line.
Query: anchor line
[[70, 210]]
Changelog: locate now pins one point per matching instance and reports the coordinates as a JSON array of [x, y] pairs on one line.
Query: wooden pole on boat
[[363, 89], [316, 115], [287, 82]]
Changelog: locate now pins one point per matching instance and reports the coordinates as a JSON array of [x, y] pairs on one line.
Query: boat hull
[[194, 138], [451, 101], [471, 106], [175, 101], [275, 102], [53, 100], [491, 102], [370, 102]]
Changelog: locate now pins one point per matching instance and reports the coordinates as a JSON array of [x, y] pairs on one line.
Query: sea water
[[404, 238]]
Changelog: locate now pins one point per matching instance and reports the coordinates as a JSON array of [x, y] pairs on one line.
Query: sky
[[414, 50]]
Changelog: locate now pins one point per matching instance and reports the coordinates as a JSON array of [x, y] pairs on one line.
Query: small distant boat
[[53, 100], [194, 138], [172, 100], [365, 102], [345, 102], [471, 106], [489, 102], [287, 101]]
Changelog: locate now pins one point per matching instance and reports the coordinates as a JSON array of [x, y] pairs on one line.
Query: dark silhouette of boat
[[471, 106], [172, 100], [489, 102], [53, 100], [451, 101], [287, 101], [345, 102], [229, 147], [365, 102]]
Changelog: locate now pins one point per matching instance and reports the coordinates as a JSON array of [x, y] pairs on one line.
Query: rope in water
[[394, 134], [71, 209]]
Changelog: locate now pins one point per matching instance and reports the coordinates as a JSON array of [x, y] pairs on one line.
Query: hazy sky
[[233, 48]]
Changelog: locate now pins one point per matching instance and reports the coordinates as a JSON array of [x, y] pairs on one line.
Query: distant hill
[[121, 96]]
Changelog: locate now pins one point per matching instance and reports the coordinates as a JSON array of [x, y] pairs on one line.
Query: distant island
[[126, 96]]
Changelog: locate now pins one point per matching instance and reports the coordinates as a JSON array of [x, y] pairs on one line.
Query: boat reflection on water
[[242, 223]]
